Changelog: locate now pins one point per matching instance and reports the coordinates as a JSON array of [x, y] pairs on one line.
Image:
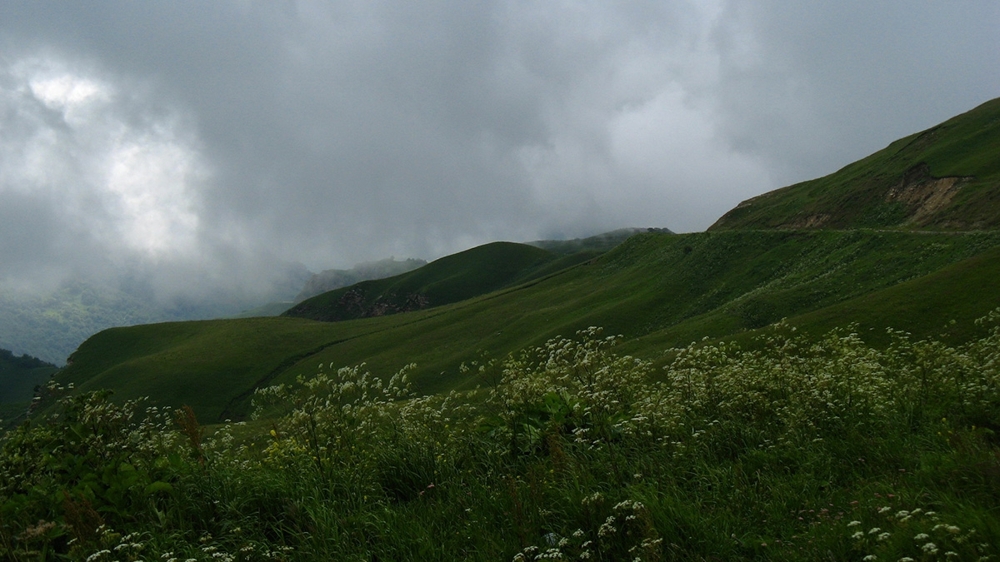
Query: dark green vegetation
[[811, 448], [19, 375], [458, 277], [789, 393], [944, 178]]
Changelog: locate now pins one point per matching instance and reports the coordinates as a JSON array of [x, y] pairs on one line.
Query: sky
[[213, 143]]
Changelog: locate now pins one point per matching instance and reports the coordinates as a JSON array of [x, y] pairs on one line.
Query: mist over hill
[[52, 323], [656, 288], [331, 279]]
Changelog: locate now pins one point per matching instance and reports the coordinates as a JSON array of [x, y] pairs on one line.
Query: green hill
[[450, 279], [598, 243], [944, 178], [331, 279], [657, 290]]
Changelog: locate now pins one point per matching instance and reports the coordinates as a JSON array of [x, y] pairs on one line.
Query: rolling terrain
[[657, 290], [758, 265], [461, 276]]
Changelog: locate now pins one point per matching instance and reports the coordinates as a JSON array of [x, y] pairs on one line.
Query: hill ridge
[[945, 177]]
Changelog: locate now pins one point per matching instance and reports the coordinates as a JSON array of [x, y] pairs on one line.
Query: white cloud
[[115, 177], [337, 132]]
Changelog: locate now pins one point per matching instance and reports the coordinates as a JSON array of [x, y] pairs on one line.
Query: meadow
[[786, 447]]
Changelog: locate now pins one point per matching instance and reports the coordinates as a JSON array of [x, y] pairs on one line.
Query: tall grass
[[794, 448]]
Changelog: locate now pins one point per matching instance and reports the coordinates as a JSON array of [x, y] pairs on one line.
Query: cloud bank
[[205, 144]]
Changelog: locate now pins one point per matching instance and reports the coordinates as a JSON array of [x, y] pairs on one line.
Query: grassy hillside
[[450, 279], [19, 375], [944, 178], [793, 448], [657, 290]]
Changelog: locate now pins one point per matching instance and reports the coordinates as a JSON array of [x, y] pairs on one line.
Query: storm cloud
[[210, 141]]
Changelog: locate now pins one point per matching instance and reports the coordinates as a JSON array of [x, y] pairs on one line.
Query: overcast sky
[[211, 140]]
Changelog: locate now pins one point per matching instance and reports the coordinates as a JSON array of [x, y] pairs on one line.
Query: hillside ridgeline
[[944, 178]]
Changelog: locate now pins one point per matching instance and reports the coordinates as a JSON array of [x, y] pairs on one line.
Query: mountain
[[450, 279], [755, 267], [944, 178], [457, 277], [598, 243], [657, 290], [331, 279]]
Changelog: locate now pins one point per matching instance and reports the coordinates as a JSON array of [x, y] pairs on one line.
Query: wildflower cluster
[[917, 534], [627, 533], [333, 415], [577, 387]]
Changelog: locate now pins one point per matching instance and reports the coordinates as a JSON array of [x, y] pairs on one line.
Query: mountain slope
[[944, 178], [793, 254], [657, 290]]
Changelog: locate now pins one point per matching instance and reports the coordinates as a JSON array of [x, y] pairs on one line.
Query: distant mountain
[[944, 178], [458, 277], [20, 374], [450, 279], [331, 279]]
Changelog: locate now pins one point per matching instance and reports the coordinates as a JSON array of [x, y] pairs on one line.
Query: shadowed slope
[[450, 279]]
